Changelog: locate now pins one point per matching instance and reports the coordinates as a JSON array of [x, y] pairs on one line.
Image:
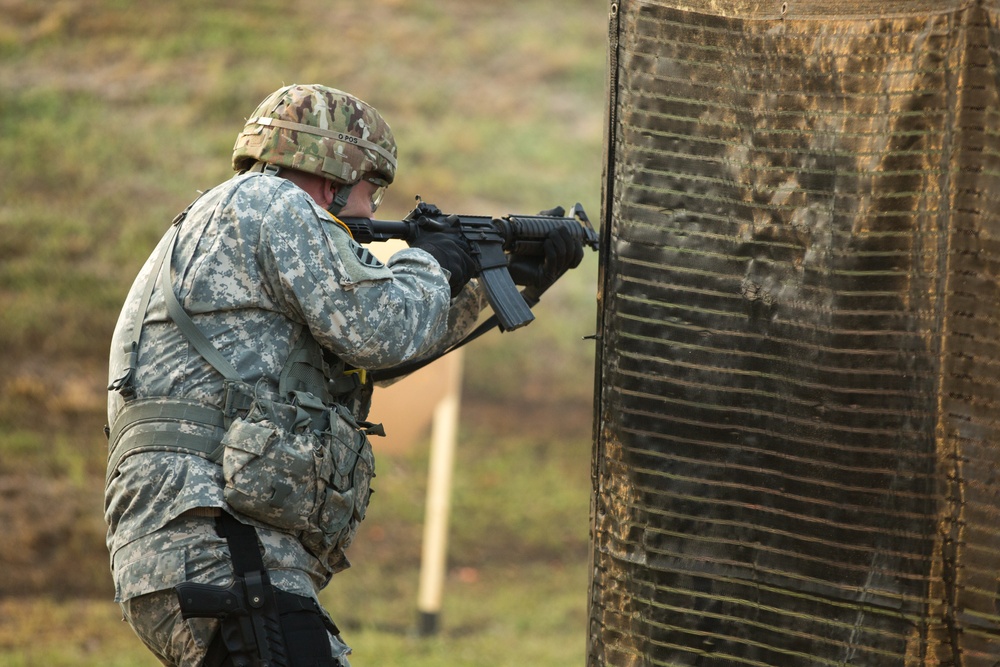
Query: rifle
[[491, 239]]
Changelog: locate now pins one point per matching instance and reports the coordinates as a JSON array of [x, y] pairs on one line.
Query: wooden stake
[[433, 566]]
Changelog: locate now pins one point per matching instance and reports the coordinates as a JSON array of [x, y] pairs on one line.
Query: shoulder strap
[[187, 326], [303, 370], [125, 384]]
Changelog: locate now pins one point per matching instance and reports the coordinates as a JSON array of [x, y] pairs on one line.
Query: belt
[[203, 511], [150, 425], [140, 427]]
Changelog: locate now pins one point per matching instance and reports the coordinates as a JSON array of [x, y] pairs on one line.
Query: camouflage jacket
[[257, 262]]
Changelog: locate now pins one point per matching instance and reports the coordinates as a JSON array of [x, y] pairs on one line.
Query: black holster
[[249, 611]]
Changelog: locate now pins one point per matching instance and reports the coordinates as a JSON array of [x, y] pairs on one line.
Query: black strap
[[259, 638], [243, 545], [248, 564], [531, 297]]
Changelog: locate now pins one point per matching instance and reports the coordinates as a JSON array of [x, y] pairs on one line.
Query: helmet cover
[[319, 130]]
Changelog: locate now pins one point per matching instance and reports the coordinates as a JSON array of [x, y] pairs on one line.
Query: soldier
[[239, 458]]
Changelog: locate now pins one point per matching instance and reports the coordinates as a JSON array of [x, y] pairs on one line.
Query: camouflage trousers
[[156, 616]]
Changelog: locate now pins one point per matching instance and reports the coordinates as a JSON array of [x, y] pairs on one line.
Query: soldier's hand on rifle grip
[[562, 251], [452, 254]]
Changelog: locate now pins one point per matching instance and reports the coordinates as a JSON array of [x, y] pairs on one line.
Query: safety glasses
[[378, 193]]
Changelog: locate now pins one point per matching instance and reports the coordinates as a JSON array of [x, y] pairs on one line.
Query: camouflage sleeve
[[369, 314], [462, 318], [464, 313]]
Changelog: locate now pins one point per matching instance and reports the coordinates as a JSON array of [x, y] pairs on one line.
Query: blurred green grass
[[113, 113], [113, 119]]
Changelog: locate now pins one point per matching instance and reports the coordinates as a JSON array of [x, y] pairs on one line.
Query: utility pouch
[[347, 487], [272, 475], [316, 484]]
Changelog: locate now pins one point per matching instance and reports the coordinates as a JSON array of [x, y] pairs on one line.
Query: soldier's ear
[[329, 191]]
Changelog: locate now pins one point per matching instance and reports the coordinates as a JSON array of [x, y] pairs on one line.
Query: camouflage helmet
[[319, 130]]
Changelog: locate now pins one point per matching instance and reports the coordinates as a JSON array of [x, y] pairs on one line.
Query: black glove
[[453, 256], [562, 250]]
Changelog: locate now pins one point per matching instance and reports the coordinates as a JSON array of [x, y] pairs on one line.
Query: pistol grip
[[207, 601]]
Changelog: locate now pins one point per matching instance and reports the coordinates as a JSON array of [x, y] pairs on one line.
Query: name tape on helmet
[[338, 136]]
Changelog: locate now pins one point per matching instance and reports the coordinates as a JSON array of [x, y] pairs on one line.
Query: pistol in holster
[[248, 611]]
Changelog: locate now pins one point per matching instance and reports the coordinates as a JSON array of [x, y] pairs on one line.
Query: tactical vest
[[154, 423]]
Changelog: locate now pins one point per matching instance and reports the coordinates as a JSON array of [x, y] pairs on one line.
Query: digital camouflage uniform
[[257, 265]]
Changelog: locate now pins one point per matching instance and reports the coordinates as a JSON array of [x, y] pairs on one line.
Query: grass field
[[515, 593], [113, 113]]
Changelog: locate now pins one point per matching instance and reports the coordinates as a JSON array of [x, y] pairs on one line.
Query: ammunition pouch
[[313, 481]]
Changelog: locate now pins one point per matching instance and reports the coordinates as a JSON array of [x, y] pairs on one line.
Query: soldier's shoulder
[[262, 186]]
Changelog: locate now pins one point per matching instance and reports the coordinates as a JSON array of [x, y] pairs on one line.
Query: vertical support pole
[[433, 563]]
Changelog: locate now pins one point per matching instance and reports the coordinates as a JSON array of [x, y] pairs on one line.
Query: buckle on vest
[[360, 374], [238, 398], [349, 381], [310, 412]]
